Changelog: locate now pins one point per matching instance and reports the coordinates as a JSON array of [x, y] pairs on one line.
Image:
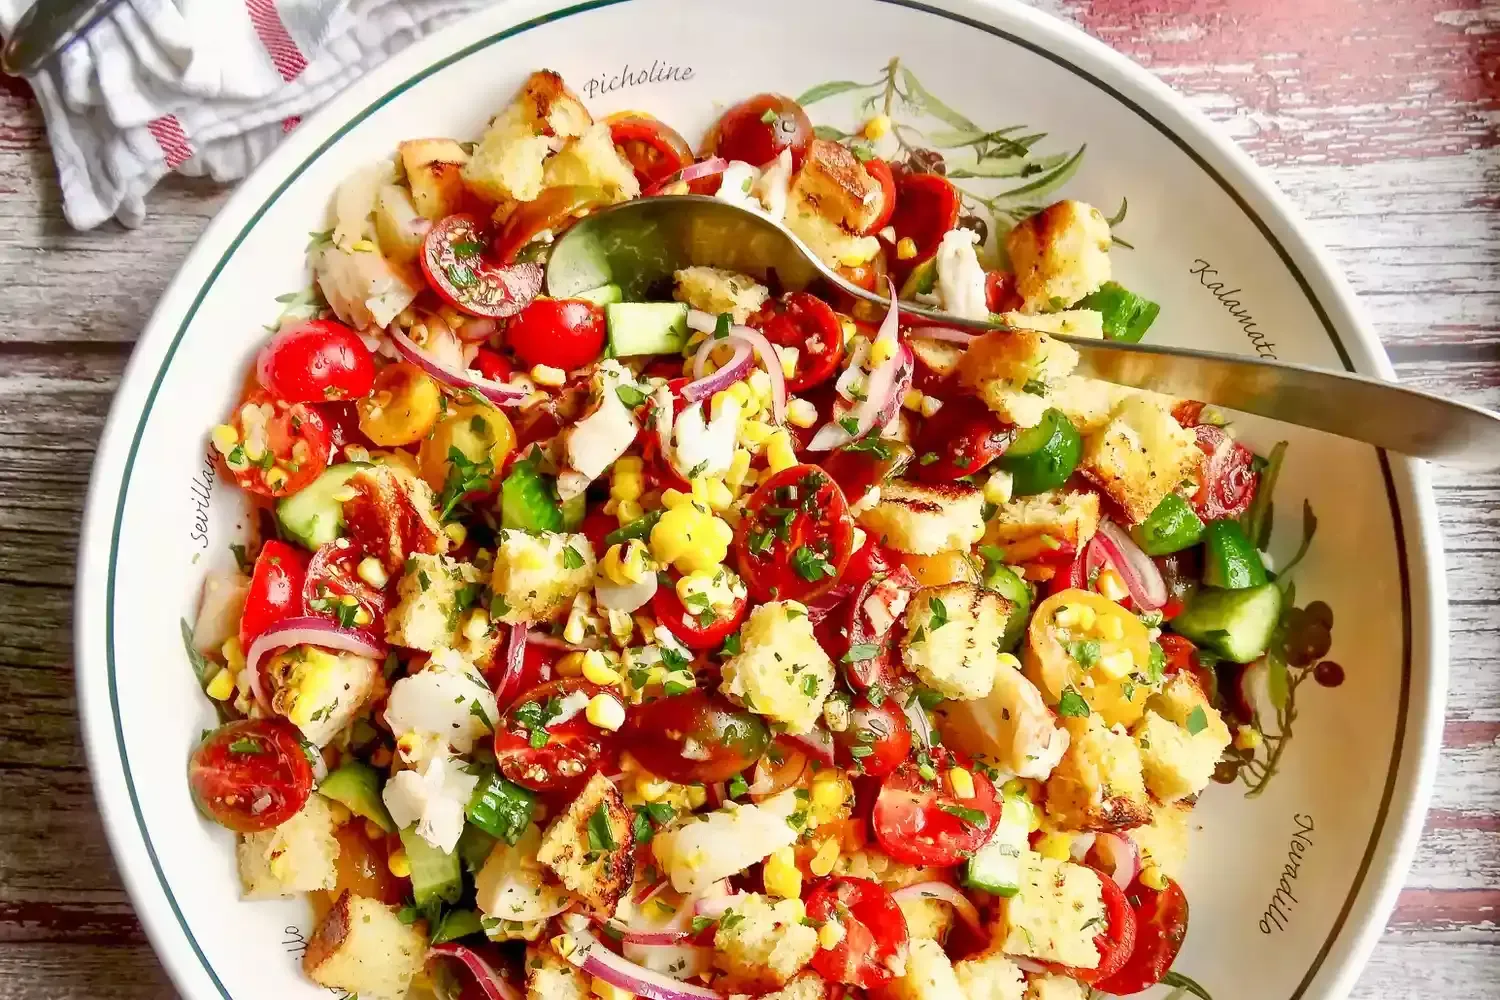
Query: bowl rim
[[1413, 509]]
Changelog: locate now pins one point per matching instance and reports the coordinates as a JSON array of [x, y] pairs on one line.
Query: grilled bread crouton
[[1069, 323], [297, 856], [591, 160], [363, 948], [1056, 988], [761, 944], [392, 515], [1055, 916], [700, 850], [430, 601], [937, 356], [1098, 785], [399, 229], [1060, 254], [715, 290], [1140, 456], [535, 578], [806, 986], [434, 170], [513, 884], [1028, 528], [952, 638], [926, 918], [551, 977], [1181, 738], [1015, 373], [928, 975], [833, 199], [321, 691], [926, 518], [1163, 842], [507, 165], [591, 846], [990, 976], [781, 670], [1012, 726]]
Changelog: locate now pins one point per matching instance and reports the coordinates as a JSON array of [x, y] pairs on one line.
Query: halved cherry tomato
[[363, 868], [251, 775], [881, 171], [453, 262], [333, 589], [703, 629], [481, 434], [598, 526], [809, 324], [1228, 477], [538, 752], [758, 129], [695, 737], [877, 739], [1051, 664], [1115, 942], [927, 206], [553, 211], [342, 421], [404, 407], [870, 559], [1188, 412], [653, 149], [1161, 923], [1000, 293], [874, 931], [316, 361], [872, 663], [275, 590], [1180, 654], [493, 365], [280, 448], [941, 568], [921, 822], [959, 440], [865, 464], [795, 537], [562, 333]]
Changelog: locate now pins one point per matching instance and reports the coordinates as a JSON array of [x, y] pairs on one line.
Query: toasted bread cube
[[1056, 914], [806, 986], [1099, 784], [576, 848], [952, 638], [990, 976], [1056, 988], [551, 977], [1028, 528], [926, 918], [430, 600], [1140, 456], [761, 944], [297, 856], [535, 579], [928, 975], [837, 185], [395, 514], [361, 947], [508, 163], [926, 518], [591, 160], [1061, 254], [716, 291], [781, 670], [1164, 841], [1181, 738], [434, 170], [1016, 373], [939, 357], [1069, 323]]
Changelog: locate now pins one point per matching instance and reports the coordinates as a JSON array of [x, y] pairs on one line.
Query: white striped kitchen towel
[[202, 86]]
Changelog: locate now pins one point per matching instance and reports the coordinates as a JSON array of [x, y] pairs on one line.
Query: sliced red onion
[[651, 939], [710, 167], [305, 632], [625, 596], [650, 892], [921, 725], [515, 656], [547, 641], [477, 329], [824, 606], [733, 371], [945, 893], [1122, 856], [591, 956], [496, 392], [817, 744], [771, 362], [716, 907], [1142, 577], [884, 391], [946, 333], [490, 981]]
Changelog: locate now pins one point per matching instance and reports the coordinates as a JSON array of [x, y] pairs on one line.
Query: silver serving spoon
[[638, 244]]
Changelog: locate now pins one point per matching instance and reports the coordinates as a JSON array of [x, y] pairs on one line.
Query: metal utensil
[[639, 244], [46, 29]]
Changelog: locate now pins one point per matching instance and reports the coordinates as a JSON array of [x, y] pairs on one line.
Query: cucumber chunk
[[1171, 527], [528, 499], [501, 809], [312, 515], [1041, 458], [996, 866], [435, 874], [357, 785], [1127, 316], [603, 295], [1008, 584], [1230, 561], [1235, 624], [637, 328]]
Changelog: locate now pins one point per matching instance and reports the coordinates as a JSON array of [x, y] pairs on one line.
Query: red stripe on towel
[[168, 133], [284, 53]]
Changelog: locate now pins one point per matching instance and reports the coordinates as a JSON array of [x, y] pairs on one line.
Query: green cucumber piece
[[1041, 458], [474, 847], [312, 515], [603, 295], [1008, 584], [457, 924], [500, 808], [1127, 316], [528, 499], [1171, 527], [922, 279], [357, 785], [574, 510], [637, 328], [435, 874], [1230, 561], [996, 866], [1235, 624]]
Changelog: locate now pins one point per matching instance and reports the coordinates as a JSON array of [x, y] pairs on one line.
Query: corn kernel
[[456, 532], [828, 855], [861, 253], [221, 688], [830, 934], [338, 812], [477, 625], [399, 864], [828, 794], [906, 248], [407, 745], [881, 351], [548, 375], [930, 405], [999, 488], [362, 246], [913, 399], [1111, 585], [755, 432], [232, 653], [877, 127], [605, 710], [672, 499], [652, 788], [277, 477], [1057, 846], [570, 665], [696, 796], [564, 945], [596, 670], [1247, 738], [779, 453], [626, 481], [801, 413], [1015, 787], [609, 991], [962, 783], [362, 616], [1086, 618], [1152, 877], [372, 572], [629, 511], [788, 357], [225, 437], [1110, 626], [781, 876]]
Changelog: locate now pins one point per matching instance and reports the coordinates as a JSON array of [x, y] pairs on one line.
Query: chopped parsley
[[973, 817], [601, 838], [1072, 705], [1085, 651], [247, 745], [571, 558], [630, 396], [1197, 721], [939, 613], [810, 564]]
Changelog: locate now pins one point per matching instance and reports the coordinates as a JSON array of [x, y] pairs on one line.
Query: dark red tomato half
[[334, 590], [758, 129], [1000, 293], [342, 422], [1161, 923], [870, 559], [276, 586], [809, 324], [795, 537], [1229, 479], [454, 264], [316, 361], [597, 526], [867, 464], [881, 171], [251, 775], [1115, 942], [701, 629], [959, 440], [1180, 654], [293, 443], [877, 740], [695, 736], [493, 365], [874, 931], [872, 663], [920, 821], [562, 333], [545, 745], [653, 149], [927, 206]]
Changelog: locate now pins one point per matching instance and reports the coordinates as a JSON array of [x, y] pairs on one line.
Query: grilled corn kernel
[[962, 783], [225, 437], [563, 945], [828, 855], [930, 405], [830, 934], [788, 357], [626, 482], [755, 432], [221, 688], [883, 350], [232, 653], [549, 376], [779, 453], [277, 477], [570, 665], [912, 400], [781, 876], [399, 864], [609, 991], [1152, 877], [477, 625], [1111, 585], [906, 248], [652, 788], [830, 790], [1057, 846], [372, 572], [1246, 738], [629, 511], [801, 413], [696, 796], [626, 563], [605, 710], [596, 669], [456, 532], [691, 539], [999, 488]]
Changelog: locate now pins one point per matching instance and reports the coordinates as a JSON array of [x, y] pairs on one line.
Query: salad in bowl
[[720, 641]]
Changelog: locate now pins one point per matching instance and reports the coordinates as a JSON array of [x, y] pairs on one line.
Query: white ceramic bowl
[[1289, 887]]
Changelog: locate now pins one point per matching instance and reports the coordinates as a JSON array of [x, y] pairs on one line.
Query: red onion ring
[[771, 362], [651, 939], [497, 393], [887, 386], [1142, 577], [818, 744], [515, 656], [490, 982], [591, 956], [1121, 855], [704, 386], [552, 642], [305, 631], [946, 333], [650, 892], [944, 893], [710, 167], [716, 907]]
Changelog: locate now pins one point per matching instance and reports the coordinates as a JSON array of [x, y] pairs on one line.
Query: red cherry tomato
[[553, 211], [292, 442], [597, 526], [872, 614], [563, 333], [868, 464], [493, 365], [809, 324], [654, 150], [1161, 923], [538, 752], [1228, 477], [537, 664], [758, 129], [342, 422], [870, 559], [795, 537], [874, 931], [959, 440], [1115, 942], [877, 740], [927, 206], [1000, 293], [881, 171], [454, 264], [1180, 653], [251, 775], [333, 589], [695, 737], [316, 361], [275, 593], [921, 822], [702, 629]]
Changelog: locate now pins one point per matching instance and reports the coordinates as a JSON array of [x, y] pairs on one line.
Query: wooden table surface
[[1377, 117]]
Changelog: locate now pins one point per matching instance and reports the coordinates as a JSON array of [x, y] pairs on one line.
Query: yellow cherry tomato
[[480, 433], [1082, 641], [941, 569], [403, 406]]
